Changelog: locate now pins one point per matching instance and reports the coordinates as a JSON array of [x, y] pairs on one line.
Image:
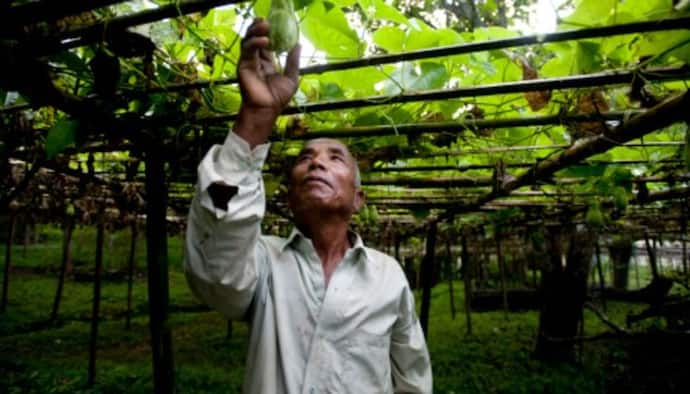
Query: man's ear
[[360, 199]]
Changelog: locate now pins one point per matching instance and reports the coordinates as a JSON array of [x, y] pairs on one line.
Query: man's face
[[323, 179]]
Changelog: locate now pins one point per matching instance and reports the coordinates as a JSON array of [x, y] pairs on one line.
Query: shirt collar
[[357, 246]]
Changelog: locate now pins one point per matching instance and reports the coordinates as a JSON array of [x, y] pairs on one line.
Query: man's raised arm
[[223, 255]]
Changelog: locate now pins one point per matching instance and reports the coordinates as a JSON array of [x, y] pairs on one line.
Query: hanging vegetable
[[284, 27]]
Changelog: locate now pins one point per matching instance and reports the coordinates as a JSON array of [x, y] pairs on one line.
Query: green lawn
[[497, 358]]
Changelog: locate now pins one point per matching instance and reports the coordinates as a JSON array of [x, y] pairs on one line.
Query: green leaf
[[328, 30], [590, 13], [379, 10], [261, 8], [587, 57], [60, 136], [421, 36], [390, 38], [590, 170], [431, 76], [420, 213]]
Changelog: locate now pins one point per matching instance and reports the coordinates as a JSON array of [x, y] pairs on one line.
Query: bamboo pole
[[467, 167], [600, 271], [459, 49], [467, 280], [599, 79], [459, 126], [427, 270], [660, 116], [8, 261], [46, 11], [68, 227], [637, 271], [502, 269], [83, 36], [684, 238], [157, 272], [100, 235], [652, 257], [130, 272], [228, 332], [450, 272]]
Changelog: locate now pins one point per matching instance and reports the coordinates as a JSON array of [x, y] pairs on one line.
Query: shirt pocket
[[366, 366]]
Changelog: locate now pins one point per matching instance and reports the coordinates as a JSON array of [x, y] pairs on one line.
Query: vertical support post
[[652, 257], [658, 252], [427, 272], [96, 294], [637, 270], [467, 280], [130, 272], [8, 261], [502, 269], [157, 272], [28, 226], [450, 271], [685, 256], [684, 239], [66, 258], [228, 333], [600, 271]]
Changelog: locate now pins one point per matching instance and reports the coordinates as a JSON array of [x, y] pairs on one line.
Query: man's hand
[[265, 92]]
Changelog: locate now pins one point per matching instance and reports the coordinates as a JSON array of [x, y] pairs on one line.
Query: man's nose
[[316, 162]]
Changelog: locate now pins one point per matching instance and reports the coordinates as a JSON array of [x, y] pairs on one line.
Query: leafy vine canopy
[[178, 74]]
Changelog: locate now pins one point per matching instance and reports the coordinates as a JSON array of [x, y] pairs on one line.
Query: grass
[[496, 358]]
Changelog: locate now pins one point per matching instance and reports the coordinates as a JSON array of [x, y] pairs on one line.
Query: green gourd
[[594, 217], [283, 33], [374, 215]]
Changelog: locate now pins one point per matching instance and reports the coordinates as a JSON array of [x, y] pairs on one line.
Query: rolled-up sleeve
[[411, 366], [222, 248]]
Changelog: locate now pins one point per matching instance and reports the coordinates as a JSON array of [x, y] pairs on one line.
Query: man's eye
[[336, 157], [302, 158]]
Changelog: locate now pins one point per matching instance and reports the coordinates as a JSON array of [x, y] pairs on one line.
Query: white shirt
[[358, 335]]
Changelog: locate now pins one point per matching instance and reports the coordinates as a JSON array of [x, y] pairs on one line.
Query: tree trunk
[[563, 293], [8, 261], [100, 235], [130, 273], [68, 226], [157, 272], [467, 280], [427, 271]]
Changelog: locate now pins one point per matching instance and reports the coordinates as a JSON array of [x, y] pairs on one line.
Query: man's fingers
[[251, 45], [267, 60], [259, 27], [292, 64]]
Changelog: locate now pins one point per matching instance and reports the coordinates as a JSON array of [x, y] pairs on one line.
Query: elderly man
[[327, 314]]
